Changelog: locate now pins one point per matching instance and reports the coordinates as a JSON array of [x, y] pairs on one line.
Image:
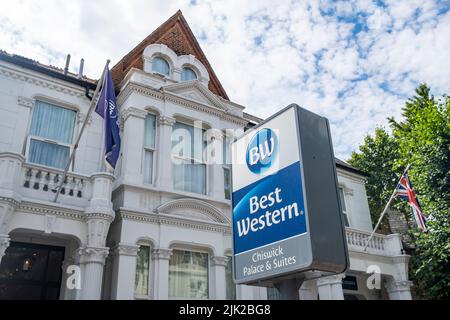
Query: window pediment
[[193, 208], [196, 91]]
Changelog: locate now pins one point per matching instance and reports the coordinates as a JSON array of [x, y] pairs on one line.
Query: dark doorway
[[31, 272]]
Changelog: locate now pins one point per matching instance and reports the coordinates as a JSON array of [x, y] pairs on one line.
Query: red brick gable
[[176, 34]]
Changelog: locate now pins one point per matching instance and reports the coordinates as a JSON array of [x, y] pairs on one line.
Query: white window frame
[[186, 66], [34, 137], [203, 161], [149, 288], [226, 166], [209, 281], [344, 212], [153, 150], [159, 73]]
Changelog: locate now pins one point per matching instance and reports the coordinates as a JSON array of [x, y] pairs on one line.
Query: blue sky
[[354, 62]]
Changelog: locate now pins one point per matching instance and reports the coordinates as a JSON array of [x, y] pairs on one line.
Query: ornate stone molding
[[125, 250], [133, 87], [42, 210], [37, 81], [221, 261], [25, 102], [161, 254], [175, 221], [330, 280], [92, 254], [133, 112], [49, 223], [193, 204], [99, 213], [6, 213], [395, 286], [165, 121], [348, 191], [82, 117], [17, 156], [4, 244], [195, 84], [11, 201]]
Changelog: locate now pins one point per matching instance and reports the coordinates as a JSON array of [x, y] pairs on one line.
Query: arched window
[[188, 74], [161, 66]]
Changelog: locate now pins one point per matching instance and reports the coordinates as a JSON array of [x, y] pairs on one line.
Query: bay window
[[51, 134], [149, 147], [188, 275], [188, 163]]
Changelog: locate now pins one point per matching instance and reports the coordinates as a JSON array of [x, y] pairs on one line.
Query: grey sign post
[[287, 219]]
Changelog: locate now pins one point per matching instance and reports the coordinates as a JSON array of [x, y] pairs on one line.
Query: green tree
[[421, 139], [377, 156]]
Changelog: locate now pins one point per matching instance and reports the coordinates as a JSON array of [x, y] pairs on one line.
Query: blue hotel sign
[[271, 215]]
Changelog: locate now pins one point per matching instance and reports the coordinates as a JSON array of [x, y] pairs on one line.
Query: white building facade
[[159, 226]]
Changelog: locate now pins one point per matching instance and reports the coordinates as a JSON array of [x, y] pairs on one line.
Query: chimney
[[80, 71], [66, 69]]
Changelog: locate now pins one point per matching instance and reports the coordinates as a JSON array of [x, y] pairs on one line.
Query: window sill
[[142, 297]]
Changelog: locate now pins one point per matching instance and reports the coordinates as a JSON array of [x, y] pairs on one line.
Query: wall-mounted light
[[26, 265]]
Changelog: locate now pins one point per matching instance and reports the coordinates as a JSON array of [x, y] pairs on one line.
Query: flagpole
[[384, 211], [77, 141]]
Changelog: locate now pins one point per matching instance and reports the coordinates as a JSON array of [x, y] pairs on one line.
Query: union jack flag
[[406, 192]]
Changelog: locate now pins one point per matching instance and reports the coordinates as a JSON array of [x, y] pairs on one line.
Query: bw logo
[[262, 151]]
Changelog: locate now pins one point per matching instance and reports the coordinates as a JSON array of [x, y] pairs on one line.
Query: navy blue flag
[[106, 108]]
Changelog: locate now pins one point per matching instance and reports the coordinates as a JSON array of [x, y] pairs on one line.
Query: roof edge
[[46, 69]]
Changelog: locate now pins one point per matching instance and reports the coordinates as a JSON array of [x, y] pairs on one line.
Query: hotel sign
[[287, 217]]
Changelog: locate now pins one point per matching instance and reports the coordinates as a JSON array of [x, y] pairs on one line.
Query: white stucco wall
[[355, 199], [191, 224]]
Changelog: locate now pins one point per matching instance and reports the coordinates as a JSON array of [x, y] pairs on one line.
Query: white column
[[176, 73], [10, 179], [92, 260], [124, 270], [399, 289], [4, 244], [215, 167], [133, 145], [163, 175], [98, 215], [11, 175], [308, 291], [330, 288], [24, 109], [161, 257], [219, 285], [7, 208]]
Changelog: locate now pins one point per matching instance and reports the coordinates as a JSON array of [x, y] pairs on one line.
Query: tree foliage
[[421, 139], [377, 157]]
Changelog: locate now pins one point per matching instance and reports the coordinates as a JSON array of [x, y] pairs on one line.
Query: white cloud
[[267, 54]]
